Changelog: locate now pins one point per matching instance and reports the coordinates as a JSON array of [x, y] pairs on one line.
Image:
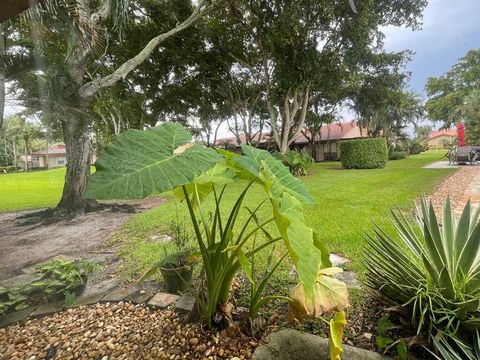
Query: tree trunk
[[77, 142]]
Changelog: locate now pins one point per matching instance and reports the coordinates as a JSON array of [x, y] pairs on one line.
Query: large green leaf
[[140, 163], [254, 161]]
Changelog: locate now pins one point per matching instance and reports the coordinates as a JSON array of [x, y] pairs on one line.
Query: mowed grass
[[36, 189], [348, 202]]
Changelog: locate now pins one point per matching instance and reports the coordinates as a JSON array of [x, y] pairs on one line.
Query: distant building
[[441, 139], [55, 157], [327, 142]]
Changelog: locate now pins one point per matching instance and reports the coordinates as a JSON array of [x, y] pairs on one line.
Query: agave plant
[[434, 270], [139, 163]]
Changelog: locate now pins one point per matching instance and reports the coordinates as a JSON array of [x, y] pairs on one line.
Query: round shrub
[[363, 153], [416, 148], [397, 155]]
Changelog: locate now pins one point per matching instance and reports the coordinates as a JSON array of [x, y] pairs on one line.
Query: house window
[[61, 162]]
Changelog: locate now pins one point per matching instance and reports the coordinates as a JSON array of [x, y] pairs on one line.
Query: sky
[[450, 29]]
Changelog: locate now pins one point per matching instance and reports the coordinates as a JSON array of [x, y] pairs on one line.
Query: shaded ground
[[23, 244]]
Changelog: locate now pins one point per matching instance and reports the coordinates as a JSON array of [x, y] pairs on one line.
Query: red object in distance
[[461, 134]]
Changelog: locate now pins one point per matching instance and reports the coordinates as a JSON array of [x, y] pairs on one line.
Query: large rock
[[291, 344]]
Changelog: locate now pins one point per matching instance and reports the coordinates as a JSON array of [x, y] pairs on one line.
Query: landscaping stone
[[160, 239], [118, 294], [93, 287], [163, 300], [291, 344], [339, 261], [90, 299], [140, 296], [15, 317], [349, 278], [49, 308], [185, 304], [20, 280]]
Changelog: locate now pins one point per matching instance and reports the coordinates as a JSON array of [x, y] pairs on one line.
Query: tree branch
[[91, 88]]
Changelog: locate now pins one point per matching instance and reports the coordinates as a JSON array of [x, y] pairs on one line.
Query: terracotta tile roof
[[437, 133], [233, 140], [331, 132], [53, 150]]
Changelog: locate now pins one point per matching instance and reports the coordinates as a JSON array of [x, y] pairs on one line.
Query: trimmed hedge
[[364, 153], [397, 155]]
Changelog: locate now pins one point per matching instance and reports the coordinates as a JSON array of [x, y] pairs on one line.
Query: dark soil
[[28, 238]]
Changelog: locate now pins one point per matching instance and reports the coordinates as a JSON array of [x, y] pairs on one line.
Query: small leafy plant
[[385, 342], [298, 162], [58, 278], [434, 272]]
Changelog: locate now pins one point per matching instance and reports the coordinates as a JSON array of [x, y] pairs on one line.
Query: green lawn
[[31, 190], [348, 202]]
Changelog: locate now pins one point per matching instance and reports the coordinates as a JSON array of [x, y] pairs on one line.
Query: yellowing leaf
[[329, 295], [336, 332]]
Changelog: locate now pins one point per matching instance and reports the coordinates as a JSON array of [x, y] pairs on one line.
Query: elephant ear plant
[[434, 271], [140, 163]]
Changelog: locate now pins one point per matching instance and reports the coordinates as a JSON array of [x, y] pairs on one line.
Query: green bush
[[297, 162], [397, 155], [416, 148], [363, 153], [433, 272]]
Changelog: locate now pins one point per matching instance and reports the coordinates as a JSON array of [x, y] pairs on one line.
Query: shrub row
[[363, 153], [397, 155]]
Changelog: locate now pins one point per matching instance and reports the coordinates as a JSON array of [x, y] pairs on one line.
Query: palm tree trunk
[[77, 142]]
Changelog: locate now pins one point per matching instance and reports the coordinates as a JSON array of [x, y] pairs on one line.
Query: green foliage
[[397, 155], [452, 95], [434, 271], [363, 153], [221, 237], [299, 163], [416, 148], [58, 278]]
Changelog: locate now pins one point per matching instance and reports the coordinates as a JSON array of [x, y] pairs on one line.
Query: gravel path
[[118, 331], [460, 186]]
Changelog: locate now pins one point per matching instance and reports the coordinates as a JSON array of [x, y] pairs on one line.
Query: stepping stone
[[15, 317], [185, 304], [49, 308], [163, 300], [140, 296]]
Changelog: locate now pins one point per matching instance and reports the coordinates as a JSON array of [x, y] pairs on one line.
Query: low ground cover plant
[[139, 163], [369, 153], [433, 271]]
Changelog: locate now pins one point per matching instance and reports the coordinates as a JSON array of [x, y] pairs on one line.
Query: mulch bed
[[119, 331]]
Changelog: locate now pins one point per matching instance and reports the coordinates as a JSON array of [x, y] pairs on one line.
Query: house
[[327, 142], [56, 156], [440, 139]]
